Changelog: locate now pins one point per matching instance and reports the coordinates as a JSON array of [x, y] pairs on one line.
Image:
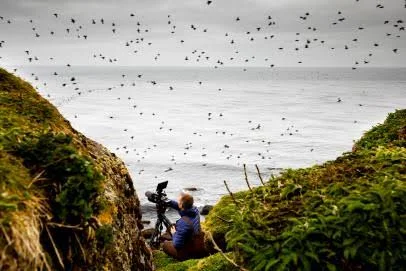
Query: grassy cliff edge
[[346, 214]]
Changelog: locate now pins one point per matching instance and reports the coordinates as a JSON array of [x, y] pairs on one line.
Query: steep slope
[[66, 202]]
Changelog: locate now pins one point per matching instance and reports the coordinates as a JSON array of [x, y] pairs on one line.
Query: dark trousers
[[193, 249]]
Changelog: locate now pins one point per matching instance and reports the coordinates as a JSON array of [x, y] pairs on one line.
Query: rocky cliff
[[66, 202]]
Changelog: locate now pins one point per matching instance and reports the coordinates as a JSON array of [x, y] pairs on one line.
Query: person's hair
[[186, 200]]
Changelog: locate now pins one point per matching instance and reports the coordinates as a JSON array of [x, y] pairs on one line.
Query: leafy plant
[[72, 183]]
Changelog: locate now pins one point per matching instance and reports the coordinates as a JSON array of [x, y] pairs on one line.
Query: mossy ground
[[346, 214], [215, 262], [47, 182]]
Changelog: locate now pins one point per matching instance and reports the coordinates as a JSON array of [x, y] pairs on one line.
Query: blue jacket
[[184, 230]]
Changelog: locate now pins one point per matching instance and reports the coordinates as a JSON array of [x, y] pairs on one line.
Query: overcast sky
[[217, 38]]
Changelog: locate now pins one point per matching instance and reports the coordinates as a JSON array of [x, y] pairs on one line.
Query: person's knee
[[169, 249], [166, 246]]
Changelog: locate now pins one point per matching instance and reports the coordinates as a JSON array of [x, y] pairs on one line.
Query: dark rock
[[206, 209], [147, 233], [190, 189], [129, 250]]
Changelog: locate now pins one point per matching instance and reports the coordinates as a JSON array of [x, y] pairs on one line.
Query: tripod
[[156, 236], [161, 202]]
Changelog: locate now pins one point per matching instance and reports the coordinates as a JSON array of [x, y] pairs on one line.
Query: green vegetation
[[21, 108], [13, 179], [213, 262], [70, 181], [392, 133], [164, 262], [104, 236], [347, 214], [49, 188]]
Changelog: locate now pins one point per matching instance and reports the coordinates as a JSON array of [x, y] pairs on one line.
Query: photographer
[[188, 238]]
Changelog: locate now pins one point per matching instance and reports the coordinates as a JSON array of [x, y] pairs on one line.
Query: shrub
[[72, 183], [392, 131]]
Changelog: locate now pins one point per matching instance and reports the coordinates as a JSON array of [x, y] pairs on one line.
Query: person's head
[[185, 201]]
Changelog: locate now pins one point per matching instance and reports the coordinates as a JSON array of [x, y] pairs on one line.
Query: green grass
[[215, 262], [14, 178], [392, 132], [346, 214], [164, 262], [23, 109]]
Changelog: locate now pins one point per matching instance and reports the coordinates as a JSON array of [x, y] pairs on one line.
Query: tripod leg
[[155, 238]]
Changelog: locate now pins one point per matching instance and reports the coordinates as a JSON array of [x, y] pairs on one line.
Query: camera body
[[159, 197]]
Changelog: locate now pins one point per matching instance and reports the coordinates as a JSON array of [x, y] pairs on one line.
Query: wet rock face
[[147, 233], [129, 250], [206, 209], [190, 189]]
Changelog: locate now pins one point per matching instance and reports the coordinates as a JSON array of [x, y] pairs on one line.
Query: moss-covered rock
[[66, 202], [215, 262], [346, 214]]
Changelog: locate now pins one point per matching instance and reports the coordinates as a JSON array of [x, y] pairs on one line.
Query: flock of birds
[[303, 40]]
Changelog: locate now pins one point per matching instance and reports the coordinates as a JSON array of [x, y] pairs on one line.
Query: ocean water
[[196, 127]]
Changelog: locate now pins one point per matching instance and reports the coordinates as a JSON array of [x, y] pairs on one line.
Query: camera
[[159, 197]]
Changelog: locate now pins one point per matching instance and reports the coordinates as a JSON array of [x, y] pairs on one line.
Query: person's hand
[[173, 229]]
